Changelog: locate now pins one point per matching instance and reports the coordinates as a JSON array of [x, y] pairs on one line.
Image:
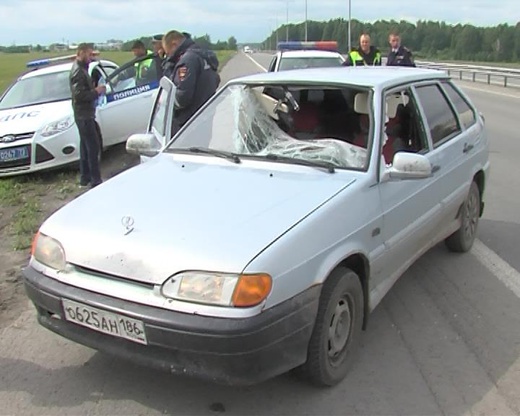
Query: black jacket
[[194, 72], [84, 95], [403, 57]]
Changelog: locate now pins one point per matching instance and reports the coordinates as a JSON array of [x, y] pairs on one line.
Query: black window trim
[[462, 96]]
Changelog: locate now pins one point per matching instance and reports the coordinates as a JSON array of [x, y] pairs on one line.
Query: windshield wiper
[[219, 153], [320, 164]]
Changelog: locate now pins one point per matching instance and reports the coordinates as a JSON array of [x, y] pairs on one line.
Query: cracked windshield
[[311, 123]]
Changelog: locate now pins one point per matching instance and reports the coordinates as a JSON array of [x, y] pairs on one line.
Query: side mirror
[[143, 145], [408, 166]]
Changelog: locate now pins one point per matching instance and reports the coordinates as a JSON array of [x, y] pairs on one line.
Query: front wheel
[[337, 329], [462, 240]]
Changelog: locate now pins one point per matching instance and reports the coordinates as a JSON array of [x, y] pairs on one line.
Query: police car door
[[129, 100]]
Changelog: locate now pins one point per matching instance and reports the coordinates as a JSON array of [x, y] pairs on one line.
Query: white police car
[[300, 55], [37, 129]]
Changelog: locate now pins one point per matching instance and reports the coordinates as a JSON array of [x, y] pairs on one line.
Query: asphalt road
[[445, 340]]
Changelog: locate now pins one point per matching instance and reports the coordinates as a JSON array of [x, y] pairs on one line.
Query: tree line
[[427, 39], [204, 41]]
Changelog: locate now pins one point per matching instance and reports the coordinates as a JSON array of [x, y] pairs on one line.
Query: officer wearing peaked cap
[[398, 55]]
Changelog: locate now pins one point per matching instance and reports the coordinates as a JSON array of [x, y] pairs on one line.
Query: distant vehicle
[[247, 49], [261, 237], [37, 128], [300, 55]]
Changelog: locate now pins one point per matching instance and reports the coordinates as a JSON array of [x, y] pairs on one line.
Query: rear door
[[450, 149], [129, 100]]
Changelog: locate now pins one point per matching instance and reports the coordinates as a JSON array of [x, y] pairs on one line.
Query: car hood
[[188, 213], [32, 118]]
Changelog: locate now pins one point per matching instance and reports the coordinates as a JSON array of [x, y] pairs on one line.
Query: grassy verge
[[27, 195]]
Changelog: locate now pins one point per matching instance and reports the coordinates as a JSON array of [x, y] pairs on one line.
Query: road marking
[[501, 269], [255, 62], [491, 92]]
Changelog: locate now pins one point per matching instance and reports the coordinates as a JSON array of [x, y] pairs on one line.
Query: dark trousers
[[89, 151]]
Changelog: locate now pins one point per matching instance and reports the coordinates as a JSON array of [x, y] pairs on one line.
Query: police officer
[[194, 72], [398, 55], [365, 54], [143, 68], [157, 45], [84, 98]]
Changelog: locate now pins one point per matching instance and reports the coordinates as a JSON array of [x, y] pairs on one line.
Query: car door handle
[[467, 148], [435, 168]]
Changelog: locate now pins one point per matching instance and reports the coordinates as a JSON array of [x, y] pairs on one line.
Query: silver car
[[261, 237]]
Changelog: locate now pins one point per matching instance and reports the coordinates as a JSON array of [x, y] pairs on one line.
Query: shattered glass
[[245, 122]]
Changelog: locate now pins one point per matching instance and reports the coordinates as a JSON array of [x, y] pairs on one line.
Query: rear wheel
[[462, 239], [337, 330]]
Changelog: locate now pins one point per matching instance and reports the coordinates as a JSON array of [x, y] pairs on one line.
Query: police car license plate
[[103, 321], [14, 153]]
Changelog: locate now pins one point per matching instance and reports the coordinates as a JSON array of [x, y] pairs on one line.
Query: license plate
[[14, 153], [103, 321]]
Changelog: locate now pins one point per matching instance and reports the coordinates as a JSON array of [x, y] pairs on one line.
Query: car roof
[[306, 53], [372, 77], [54, 68]]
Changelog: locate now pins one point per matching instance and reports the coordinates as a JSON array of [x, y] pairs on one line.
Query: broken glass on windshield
[[329, 125]]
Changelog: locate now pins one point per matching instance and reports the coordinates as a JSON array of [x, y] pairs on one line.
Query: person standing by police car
[[84, 99], [398, 55], [193, 70], [365, 54]]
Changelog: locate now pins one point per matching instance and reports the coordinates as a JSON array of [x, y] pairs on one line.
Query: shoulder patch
[[182, 72]]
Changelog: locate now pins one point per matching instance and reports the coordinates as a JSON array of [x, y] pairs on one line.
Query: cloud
[[46, 21]]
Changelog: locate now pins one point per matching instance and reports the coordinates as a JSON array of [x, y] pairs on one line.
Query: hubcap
[[339, 329], [471, 216]]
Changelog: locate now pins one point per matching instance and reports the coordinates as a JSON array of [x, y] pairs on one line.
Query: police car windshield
[[308, 62], [38, 89]]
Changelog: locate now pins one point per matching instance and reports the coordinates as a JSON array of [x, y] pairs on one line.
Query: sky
[[73, 21]]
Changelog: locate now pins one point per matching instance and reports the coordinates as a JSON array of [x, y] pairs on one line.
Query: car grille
[[10, 138], [97, 273]]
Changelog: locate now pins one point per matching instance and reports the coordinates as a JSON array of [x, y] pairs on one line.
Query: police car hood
[[32, 118]]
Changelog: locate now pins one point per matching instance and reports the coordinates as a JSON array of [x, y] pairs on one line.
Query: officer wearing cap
[[157, 45], [365, 54], [398, 55], [193, 70]]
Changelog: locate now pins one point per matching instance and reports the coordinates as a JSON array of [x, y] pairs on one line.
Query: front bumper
[[227, 351]]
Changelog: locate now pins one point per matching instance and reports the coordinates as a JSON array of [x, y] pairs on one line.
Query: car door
[[411, 210], [129, 100], [161, 115], [449, 155]]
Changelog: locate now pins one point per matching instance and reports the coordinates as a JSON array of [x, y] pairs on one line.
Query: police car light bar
[[48, 61], [325, 45]]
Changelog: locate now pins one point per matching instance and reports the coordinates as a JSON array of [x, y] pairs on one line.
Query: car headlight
[[224, 289], [48, 251], [57, 126]]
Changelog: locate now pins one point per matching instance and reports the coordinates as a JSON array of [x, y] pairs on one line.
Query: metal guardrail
[[506, 77], [492, 75]]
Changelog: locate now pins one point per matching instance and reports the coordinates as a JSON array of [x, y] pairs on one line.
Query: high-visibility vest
[[147, 63], [355, 57]]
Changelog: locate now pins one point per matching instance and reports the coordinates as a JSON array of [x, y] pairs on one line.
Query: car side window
[[403, 129], [466, 112], [441, 119]]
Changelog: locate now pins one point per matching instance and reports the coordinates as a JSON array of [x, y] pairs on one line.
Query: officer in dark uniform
[[193, 70], [398, 55], [365, 54]]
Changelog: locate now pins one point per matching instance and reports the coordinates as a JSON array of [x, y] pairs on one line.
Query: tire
[[462, 240], [337, 329]]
